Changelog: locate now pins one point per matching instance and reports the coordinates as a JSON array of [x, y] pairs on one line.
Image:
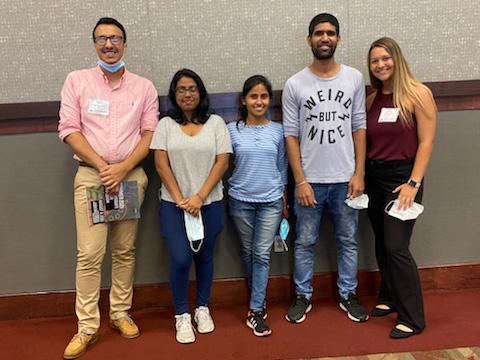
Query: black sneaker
[[264, 310], [355, 311], [299, 309], [256, 322]]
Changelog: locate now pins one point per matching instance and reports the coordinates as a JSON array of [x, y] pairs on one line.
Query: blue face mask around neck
[[113, 68]]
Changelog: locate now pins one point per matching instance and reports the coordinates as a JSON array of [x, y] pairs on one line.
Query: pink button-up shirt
[[132, 109]]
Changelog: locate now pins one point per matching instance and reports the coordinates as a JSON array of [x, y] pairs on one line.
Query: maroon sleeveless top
[[389, 140]]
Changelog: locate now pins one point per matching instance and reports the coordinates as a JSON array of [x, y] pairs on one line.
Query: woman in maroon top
[[401, 116]]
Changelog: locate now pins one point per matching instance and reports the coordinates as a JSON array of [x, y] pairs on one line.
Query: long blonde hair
[[405, 85]]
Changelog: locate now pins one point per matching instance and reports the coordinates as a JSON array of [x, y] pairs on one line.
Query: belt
[[83, 163], [388, 164]]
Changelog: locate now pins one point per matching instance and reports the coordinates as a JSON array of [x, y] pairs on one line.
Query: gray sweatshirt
[[323, 113]]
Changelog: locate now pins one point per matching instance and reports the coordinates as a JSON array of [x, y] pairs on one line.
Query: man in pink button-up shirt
[[107, 117]]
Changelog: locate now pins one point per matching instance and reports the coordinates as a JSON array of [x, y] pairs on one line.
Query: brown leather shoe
[[78, 345], [126, 326]]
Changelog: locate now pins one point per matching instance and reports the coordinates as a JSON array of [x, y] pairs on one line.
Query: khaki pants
[[91, 245]]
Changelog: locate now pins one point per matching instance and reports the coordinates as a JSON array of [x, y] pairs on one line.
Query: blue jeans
[[345, 223], [256, 225]]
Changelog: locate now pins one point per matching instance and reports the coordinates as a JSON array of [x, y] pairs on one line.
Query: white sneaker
[[204, 320], [184, 329]]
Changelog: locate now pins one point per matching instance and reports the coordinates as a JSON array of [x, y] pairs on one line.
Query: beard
[[323, 55]]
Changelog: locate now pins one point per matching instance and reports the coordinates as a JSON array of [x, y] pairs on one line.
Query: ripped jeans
[[345, 223]]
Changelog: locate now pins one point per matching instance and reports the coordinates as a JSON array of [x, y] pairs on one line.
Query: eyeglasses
[[183, 90], [102, 40]]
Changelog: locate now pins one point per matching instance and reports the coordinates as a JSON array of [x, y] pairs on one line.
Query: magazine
[[104, 208]]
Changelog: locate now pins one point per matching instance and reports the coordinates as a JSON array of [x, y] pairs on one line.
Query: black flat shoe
[[400, 334], [378, 312]]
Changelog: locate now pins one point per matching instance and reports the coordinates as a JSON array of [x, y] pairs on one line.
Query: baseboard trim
[[233, 291]]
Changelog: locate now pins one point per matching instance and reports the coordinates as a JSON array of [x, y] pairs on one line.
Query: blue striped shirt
[[260, 172]]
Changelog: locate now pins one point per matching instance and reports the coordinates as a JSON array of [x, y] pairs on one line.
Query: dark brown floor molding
[[38, 117], [233, 291]]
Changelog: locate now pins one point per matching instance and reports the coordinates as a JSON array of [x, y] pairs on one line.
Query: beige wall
[[37, 227], [226, 41]]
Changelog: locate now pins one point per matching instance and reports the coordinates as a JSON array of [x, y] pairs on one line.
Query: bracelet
[[301, 183], [201, 197]]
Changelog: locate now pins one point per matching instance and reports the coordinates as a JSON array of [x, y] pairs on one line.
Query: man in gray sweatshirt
[[325, 128]]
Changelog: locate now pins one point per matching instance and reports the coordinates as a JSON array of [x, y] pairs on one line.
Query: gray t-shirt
[[192, 157], [322, 113]]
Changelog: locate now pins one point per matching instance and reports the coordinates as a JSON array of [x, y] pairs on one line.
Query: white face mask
[[194, 228], [359, 203], [408, 214]]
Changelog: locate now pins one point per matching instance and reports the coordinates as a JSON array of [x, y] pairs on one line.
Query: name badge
[[389, 115], [98, 107]]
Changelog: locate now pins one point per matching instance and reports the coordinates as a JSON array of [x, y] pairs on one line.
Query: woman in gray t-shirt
[[191, 155]]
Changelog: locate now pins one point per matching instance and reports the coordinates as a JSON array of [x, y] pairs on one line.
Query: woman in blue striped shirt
[[256, 190]]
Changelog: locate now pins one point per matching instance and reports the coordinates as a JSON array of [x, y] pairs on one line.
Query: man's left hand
[[112, 175], [356, 186]]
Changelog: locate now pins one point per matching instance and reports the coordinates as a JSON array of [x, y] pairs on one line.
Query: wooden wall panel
[[38, 117]]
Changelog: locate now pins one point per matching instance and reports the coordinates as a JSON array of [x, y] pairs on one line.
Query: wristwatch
[[414, 183]]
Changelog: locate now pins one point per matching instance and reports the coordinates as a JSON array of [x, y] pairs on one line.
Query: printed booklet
[[104, 208]]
